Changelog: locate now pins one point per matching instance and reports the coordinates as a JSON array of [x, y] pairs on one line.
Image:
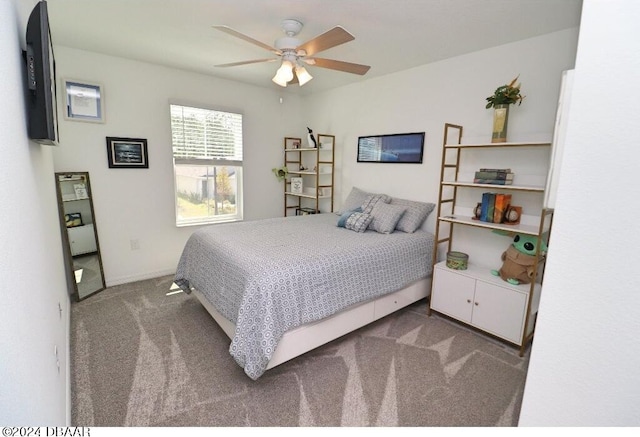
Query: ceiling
[[390, 35]]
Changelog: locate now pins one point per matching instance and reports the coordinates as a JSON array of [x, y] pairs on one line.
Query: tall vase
[[500, 120]]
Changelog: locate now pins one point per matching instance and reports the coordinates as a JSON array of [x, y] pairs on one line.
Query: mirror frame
[[68, 257]]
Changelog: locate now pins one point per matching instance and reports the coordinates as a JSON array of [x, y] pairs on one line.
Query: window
[[207, 164]]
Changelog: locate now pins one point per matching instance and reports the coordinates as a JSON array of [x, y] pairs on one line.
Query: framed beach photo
[[127, 152], [83, 101]]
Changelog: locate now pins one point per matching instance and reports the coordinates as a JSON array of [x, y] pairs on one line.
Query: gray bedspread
[[270, 276]]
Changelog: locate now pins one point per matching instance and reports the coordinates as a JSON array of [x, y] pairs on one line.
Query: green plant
[[281, 173], [506, 95]]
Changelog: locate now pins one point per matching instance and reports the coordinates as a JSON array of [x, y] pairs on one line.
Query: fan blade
[[255, 61], [327, 40], [230, 31], [332, 64]]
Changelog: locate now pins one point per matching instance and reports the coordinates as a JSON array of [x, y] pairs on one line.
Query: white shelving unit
[[475, 296], [315, 166]]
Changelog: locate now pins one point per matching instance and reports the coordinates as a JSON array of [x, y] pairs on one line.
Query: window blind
[[204, 136]]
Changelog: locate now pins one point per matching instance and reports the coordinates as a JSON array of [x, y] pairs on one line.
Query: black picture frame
[[392, 148], [127, 152], [73, 219]]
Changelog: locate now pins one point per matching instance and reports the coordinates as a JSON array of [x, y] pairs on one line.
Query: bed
[[283, 286]]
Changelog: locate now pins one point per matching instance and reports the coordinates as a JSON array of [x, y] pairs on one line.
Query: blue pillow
[[355, 220], [345, 215]]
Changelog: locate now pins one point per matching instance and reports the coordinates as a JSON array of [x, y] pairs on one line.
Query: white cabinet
[[479, 299], [475, 296], [82, 240], [308, 187]]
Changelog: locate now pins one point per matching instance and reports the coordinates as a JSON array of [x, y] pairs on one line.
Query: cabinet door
[[452, 294], [499, 310], [82, 240]]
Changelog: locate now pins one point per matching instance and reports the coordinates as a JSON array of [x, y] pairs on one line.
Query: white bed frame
[[307, 337]]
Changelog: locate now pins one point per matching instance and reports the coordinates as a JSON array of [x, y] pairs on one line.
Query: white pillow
[[354, 200], [414, 216], [386, 217]]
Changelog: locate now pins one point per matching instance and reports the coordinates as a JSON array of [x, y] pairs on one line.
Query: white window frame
[[184, 154]]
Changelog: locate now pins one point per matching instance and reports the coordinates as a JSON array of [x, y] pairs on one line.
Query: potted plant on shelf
[[502, 98], [281, 173]]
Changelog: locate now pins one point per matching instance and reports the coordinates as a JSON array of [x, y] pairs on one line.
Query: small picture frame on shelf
[[291, 143], [81, 191], [296, 185], [127, 152]]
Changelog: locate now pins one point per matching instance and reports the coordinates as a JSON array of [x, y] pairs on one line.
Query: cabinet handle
[[475, 303], [468, 300]]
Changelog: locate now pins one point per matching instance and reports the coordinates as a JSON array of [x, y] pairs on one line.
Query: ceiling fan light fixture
[[303, 75], [284, 73]]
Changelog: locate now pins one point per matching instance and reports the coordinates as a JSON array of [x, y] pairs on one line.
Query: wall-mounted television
[[41, 96], [394, 148]]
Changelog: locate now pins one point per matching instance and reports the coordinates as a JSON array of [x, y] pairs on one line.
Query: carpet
[[140, 357]]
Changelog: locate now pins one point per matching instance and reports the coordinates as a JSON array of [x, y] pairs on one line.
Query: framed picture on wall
[[393, 148], [127, 152], [73, 219], [83, 101]]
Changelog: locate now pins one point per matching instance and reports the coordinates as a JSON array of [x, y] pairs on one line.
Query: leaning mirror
[[83, 262]]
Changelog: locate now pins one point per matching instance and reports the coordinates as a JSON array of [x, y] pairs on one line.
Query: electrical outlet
[[135, 244]]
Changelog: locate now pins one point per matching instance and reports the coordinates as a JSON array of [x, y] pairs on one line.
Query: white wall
[[586, 354], [424, 98], [453, 91], [32, 390], [139, 203]]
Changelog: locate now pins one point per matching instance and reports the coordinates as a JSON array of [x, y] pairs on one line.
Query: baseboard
[[139, 277]]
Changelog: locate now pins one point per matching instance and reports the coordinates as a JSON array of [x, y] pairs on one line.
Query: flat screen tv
[[41, 78], [394, 148]]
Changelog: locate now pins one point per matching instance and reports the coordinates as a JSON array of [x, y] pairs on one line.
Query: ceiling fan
[[294, 54]]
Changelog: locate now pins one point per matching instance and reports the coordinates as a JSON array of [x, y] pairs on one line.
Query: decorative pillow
[[345, 215], [414, 216], [386, 217], [371, 201], [354, 200], [355, 221]]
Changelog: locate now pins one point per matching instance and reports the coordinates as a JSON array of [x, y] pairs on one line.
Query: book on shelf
[[491, 207], [492, 181], [502, 202], [507, 176], [500, 170], [487, 207]]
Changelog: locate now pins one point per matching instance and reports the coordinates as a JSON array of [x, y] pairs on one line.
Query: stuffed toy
[[519, 258]]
